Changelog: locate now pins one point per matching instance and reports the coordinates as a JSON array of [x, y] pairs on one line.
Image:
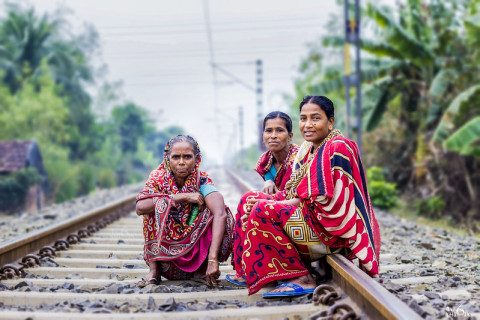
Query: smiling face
[[314, 124], [275, 135], [182, 159]]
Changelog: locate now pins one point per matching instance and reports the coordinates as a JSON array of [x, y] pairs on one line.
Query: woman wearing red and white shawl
[[275, 167], [187, 228], [326, 210]]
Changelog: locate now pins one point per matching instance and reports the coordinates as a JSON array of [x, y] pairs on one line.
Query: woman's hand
[[269, 187], [247, 209], [292, 202], [213, 272], [194, 197]]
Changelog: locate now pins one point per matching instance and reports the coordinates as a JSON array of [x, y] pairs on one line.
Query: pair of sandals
[[297, 289], [144, 282]]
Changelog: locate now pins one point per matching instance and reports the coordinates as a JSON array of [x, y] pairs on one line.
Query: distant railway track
[[87, 267]]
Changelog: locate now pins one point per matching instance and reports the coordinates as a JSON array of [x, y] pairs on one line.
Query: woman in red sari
[[187, 228], [275, 167], [325, 209]]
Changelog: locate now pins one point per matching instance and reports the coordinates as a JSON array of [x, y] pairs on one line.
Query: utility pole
[[240, 133], [259, 93], [258, 90], [352, 35]]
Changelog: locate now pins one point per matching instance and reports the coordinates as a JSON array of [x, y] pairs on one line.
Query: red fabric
[[342, 218], [335, 204], [166, 233], [283, 173], [240, 231], [268, 254]]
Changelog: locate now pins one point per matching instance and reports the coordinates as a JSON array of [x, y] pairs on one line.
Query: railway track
[[59, 273]]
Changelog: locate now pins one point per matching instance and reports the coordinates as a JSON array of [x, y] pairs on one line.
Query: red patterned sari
[[335, 216], [182, 248], [264, 165]]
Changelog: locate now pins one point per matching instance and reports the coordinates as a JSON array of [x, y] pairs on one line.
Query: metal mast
[[352, 35]]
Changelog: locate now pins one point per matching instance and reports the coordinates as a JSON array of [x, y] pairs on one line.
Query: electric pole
[[259, 92], [240, 133], [352, 35]]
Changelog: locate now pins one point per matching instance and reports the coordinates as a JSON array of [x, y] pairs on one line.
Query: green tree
[[27, 41], [132, 124], [421, 86]]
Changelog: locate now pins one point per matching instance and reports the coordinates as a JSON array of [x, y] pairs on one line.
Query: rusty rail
[[72, 229]]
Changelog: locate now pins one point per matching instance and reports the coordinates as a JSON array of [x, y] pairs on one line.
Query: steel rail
[[375, 300], [12, 251]]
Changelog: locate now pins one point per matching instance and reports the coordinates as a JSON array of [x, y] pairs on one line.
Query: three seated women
[[316, 204]]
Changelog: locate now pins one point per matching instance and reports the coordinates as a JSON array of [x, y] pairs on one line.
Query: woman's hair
[[279, 114], [181, 137], [322, 101]]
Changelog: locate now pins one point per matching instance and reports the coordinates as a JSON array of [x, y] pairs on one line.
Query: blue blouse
[[270, 175], [206, 189]]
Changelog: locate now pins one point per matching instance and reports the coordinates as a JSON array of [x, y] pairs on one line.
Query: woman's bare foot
[[239, 279], [155, 271], [306, 282]]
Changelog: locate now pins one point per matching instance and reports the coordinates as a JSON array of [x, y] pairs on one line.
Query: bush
[[14, 188], [107, 178], [432, 207], [86, 179], [382, 194]]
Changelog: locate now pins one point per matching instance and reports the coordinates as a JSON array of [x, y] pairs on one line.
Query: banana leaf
[[440, 82], [404, 42], [466, 140], [375, 100], [447, 123], [381, 49]]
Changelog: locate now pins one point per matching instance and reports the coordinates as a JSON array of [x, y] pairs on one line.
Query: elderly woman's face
[[182, 159]]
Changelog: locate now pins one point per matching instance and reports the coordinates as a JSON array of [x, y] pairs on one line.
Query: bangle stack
[[213, 260]]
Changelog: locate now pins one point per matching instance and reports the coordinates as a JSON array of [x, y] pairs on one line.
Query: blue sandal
[[236, 282], [297, 291]]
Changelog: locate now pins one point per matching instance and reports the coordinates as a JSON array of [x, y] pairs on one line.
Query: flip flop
[[297, 291], [144, 282], [236, 282]]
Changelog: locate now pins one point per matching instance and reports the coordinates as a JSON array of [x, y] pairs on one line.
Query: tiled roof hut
[[18, 155]]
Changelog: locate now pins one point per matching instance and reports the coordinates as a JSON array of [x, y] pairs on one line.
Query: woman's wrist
[[212, 256]]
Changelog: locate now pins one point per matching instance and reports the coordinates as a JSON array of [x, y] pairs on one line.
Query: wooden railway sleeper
[[325, 294]]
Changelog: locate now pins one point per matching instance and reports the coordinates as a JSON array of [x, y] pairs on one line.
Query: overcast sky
[[160, 50]]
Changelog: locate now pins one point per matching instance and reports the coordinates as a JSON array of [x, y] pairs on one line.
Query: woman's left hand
[[292, 202], [247, 209], [213, 272]]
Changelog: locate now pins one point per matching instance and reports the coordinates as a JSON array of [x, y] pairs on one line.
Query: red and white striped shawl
[[336, 203]]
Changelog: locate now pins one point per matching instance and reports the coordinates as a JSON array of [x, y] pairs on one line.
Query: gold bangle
[[212, 260]]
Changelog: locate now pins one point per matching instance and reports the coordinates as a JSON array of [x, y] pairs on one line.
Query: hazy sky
[[160, 50]]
